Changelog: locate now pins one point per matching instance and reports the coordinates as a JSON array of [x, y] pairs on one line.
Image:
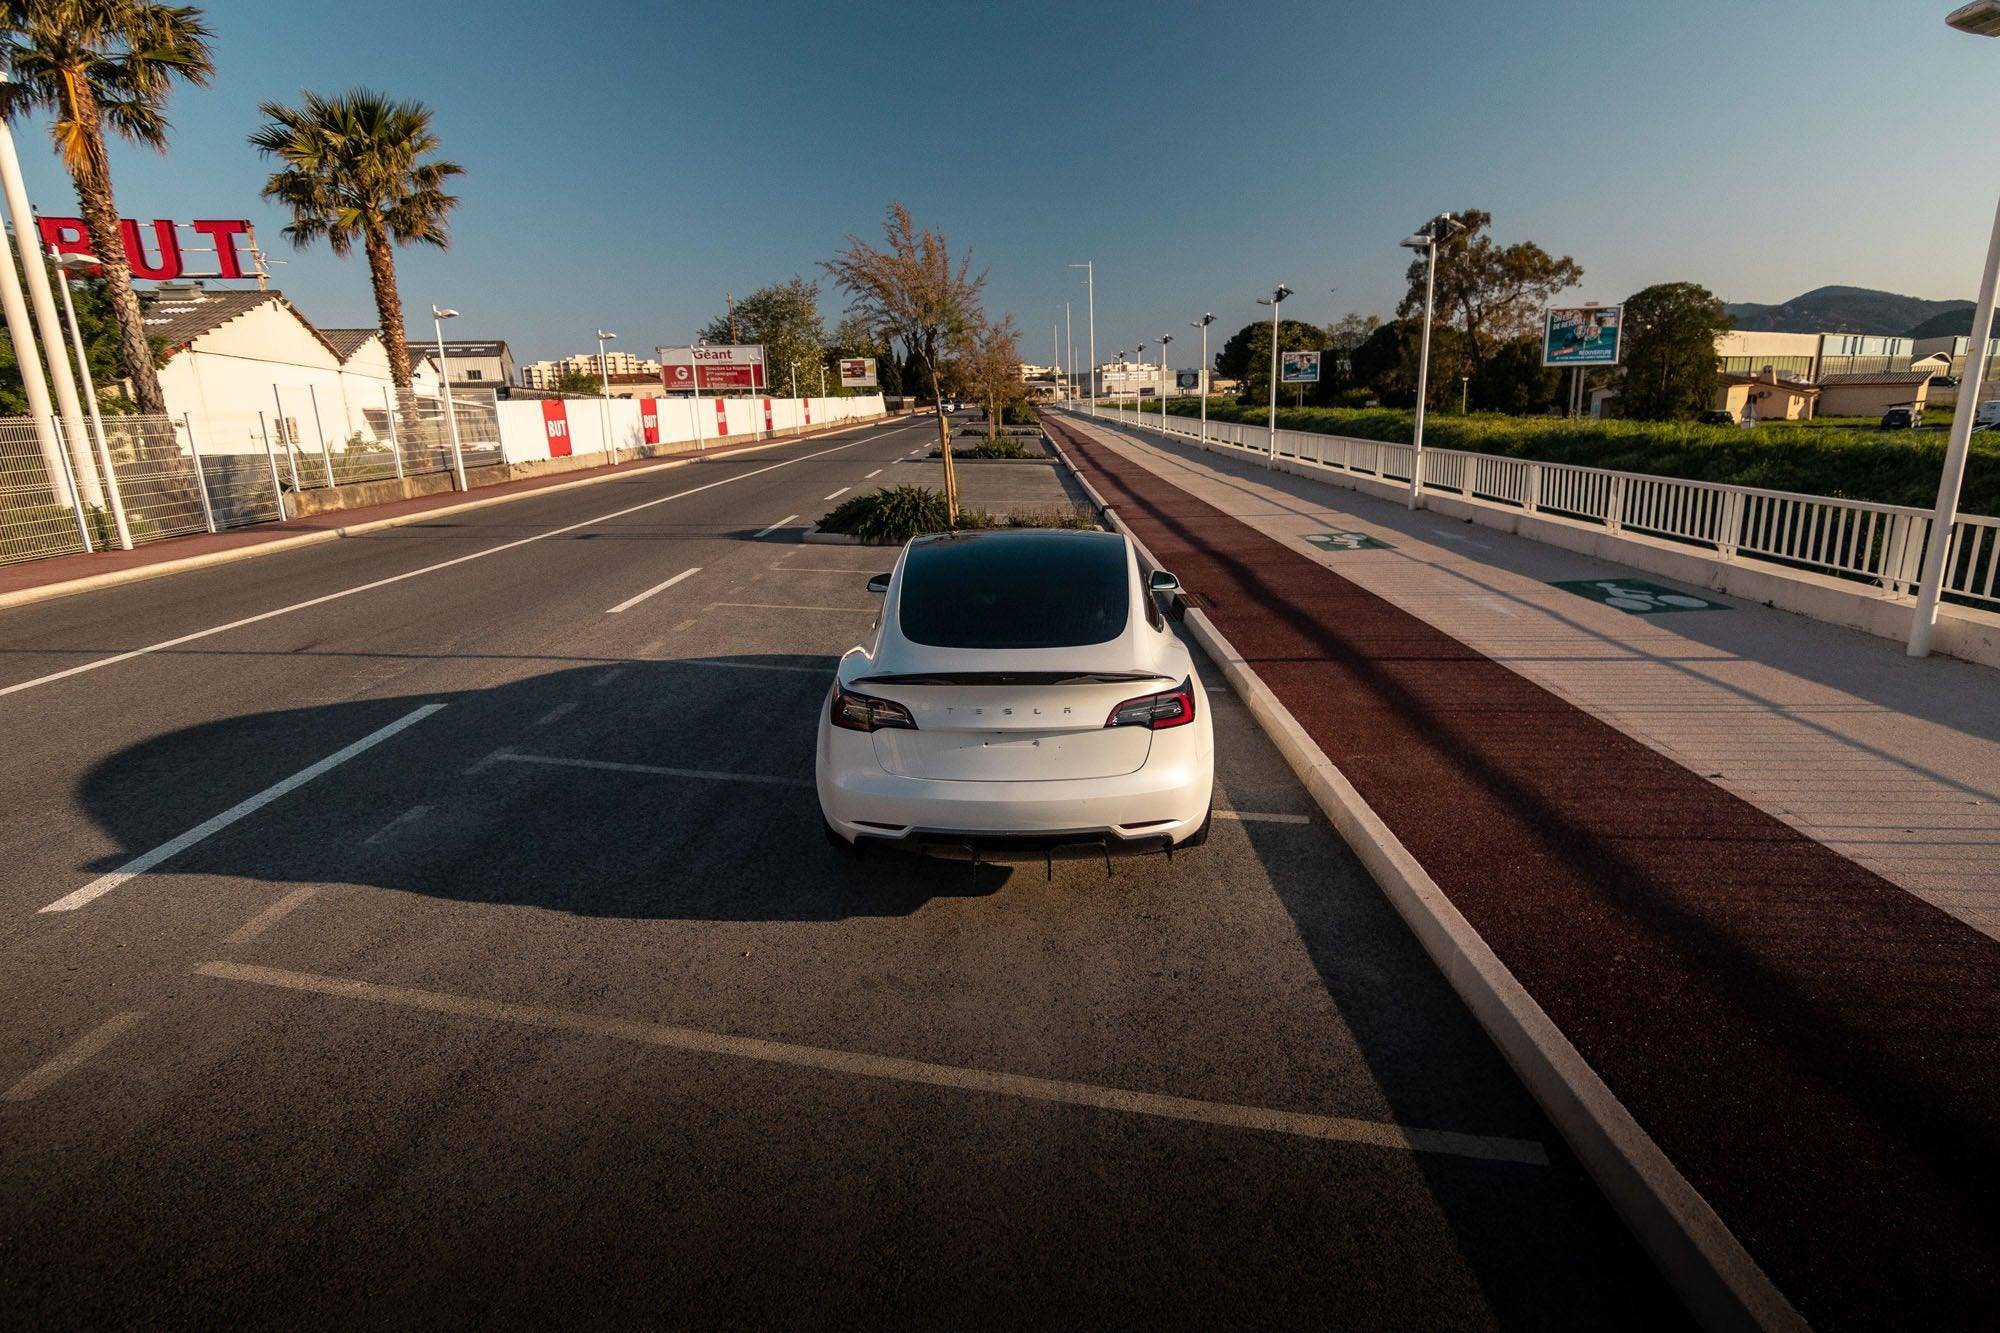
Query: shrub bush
[[893, 515], [1888, 467], [1000, 448]]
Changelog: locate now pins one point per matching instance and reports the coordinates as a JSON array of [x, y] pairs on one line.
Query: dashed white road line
[[862, 1064], [281, 909], [795, 606], [396, 825], [871, 476], [775, 526], [71, 1057], [560, 711], [837, 494], [657, 770], [164, 644], [140, 864], [631, 602], [607, 677]]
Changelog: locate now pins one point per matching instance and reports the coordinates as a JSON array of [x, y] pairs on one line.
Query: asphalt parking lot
[[540, 998]]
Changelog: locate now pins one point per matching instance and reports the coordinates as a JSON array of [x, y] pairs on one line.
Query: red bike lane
[[1817, 1050]]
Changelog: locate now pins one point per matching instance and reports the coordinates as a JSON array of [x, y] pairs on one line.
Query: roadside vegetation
[[1889, 467], [1002, 447], [893, 515]]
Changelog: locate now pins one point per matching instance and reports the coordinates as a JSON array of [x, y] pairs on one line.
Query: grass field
[[1846, 461]]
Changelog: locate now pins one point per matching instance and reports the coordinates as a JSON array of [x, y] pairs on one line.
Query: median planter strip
[[1803, 1040]]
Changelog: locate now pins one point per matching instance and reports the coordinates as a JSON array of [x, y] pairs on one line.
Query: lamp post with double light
[[604, 392], [1981, 19], [1165, 338], [69, 266], [1201, 385], [1427, 239], [439, 314], [1275, 299], [1090, 283]]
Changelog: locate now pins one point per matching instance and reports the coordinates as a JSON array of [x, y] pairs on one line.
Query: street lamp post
[[1069, 341], [1090, 283], [1165, 338], [604, 393], [67, 265], [1982, 19], [1426, 239], [1274, 300], [439, 314], [1138, 359], [1202, 388]]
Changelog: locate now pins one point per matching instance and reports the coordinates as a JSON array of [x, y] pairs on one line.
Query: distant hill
[[1950, 324], [1849, 310]]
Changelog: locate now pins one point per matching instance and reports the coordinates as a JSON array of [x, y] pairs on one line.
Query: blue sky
[[627, 163]]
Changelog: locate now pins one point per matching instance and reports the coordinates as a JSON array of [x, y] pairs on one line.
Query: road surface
[[435, 926]]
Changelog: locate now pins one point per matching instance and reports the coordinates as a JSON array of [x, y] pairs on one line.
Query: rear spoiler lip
[[976, 678]]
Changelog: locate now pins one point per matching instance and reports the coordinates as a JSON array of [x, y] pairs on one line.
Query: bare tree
[[990, 364], [910, 290]]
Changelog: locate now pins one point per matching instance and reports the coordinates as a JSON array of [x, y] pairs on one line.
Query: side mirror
[[879, 585], [1160, 581]]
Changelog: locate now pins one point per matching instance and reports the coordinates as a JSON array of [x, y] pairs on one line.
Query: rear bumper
[[1158, 805]]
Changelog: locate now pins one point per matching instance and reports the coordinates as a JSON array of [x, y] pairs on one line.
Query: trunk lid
[[1012, 727]]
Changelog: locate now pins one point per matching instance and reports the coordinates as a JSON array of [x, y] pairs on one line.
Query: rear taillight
[[864, 712], [1156, 711]]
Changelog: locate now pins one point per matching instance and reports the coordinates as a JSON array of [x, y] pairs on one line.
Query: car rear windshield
[[1015, 590]]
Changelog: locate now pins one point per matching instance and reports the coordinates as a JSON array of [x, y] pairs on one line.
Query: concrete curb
[[814, 536], [1701, 1258], [114, 578]]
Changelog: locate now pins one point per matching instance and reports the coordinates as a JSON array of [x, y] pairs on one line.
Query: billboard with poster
[[1298, 368], [857, 372], [686, 369], [1586, 335]]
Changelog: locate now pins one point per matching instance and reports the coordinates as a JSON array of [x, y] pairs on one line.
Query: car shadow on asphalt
[[662, 789]]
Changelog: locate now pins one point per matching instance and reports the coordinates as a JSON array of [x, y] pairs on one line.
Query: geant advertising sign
[[685, 369]]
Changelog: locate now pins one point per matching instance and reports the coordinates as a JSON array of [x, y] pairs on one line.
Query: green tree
[[785, 318], [98, 63], [1669, 352], [1490, 293], [359, 166], [1247, 354], [102, 341], [572, 381], [1515, 380]]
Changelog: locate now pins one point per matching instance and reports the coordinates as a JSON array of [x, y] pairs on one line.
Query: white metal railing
[[1881, 543]]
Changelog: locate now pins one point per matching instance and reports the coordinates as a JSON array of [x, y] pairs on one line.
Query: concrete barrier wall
[[593, 425]]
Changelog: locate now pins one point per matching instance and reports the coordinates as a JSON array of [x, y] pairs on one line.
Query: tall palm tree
[[98, 63], [358, 166]]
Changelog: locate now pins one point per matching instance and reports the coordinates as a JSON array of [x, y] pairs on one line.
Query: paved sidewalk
[[1815, 1047], [1891, 762], [81, 569]]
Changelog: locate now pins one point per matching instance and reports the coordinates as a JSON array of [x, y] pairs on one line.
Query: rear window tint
[[1016, 590]]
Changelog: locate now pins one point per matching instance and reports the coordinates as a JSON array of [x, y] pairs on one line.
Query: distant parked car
[[1902, 418], [1719, 417]]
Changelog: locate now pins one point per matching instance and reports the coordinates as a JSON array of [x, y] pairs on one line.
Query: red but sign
[[70, 236], [721, 418], [555, 420], [767, 415], [649, 420]]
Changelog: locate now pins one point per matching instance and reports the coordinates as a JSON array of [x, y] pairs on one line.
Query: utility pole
[[1275, 299], [730, 297], [1426, 239], [1202, 385], [1090, 283]]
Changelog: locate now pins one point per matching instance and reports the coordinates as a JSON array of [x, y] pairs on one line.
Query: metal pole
[[798, 425], [1069, 341], [604, 404], [41, 299], [395, 440], [1945, 519], [694, 374], [34, 383], [96, 419], [271, 455], [200, 480], [287, 436], [1204, 384], [75, 500], [450, 413], [319, 428], [1423, 372], [1271, 459]]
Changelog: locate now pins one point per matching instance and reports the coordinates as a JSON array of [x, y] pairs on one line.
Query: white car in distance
[[1023, 693]]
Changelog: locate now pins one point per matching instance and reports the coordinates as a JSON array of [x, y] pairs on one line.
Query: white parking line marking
[[140, 864], [837, 494], [861, 1064], [871, 476], [1262, 817], [657, 770], [396, 825], [71, 1057], [282, 908], [756, 666], [775, 526], [261, 616], [607, 677], [631, 602], [558, 713], [792, 606]]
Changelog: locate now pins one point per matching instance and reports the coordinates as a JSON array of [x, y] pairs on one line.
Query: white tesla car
[[1023, 692]]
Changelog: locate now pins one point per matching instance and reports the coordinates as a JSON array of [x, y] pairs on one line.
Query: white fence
[[1882, 544], [156, 477]]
